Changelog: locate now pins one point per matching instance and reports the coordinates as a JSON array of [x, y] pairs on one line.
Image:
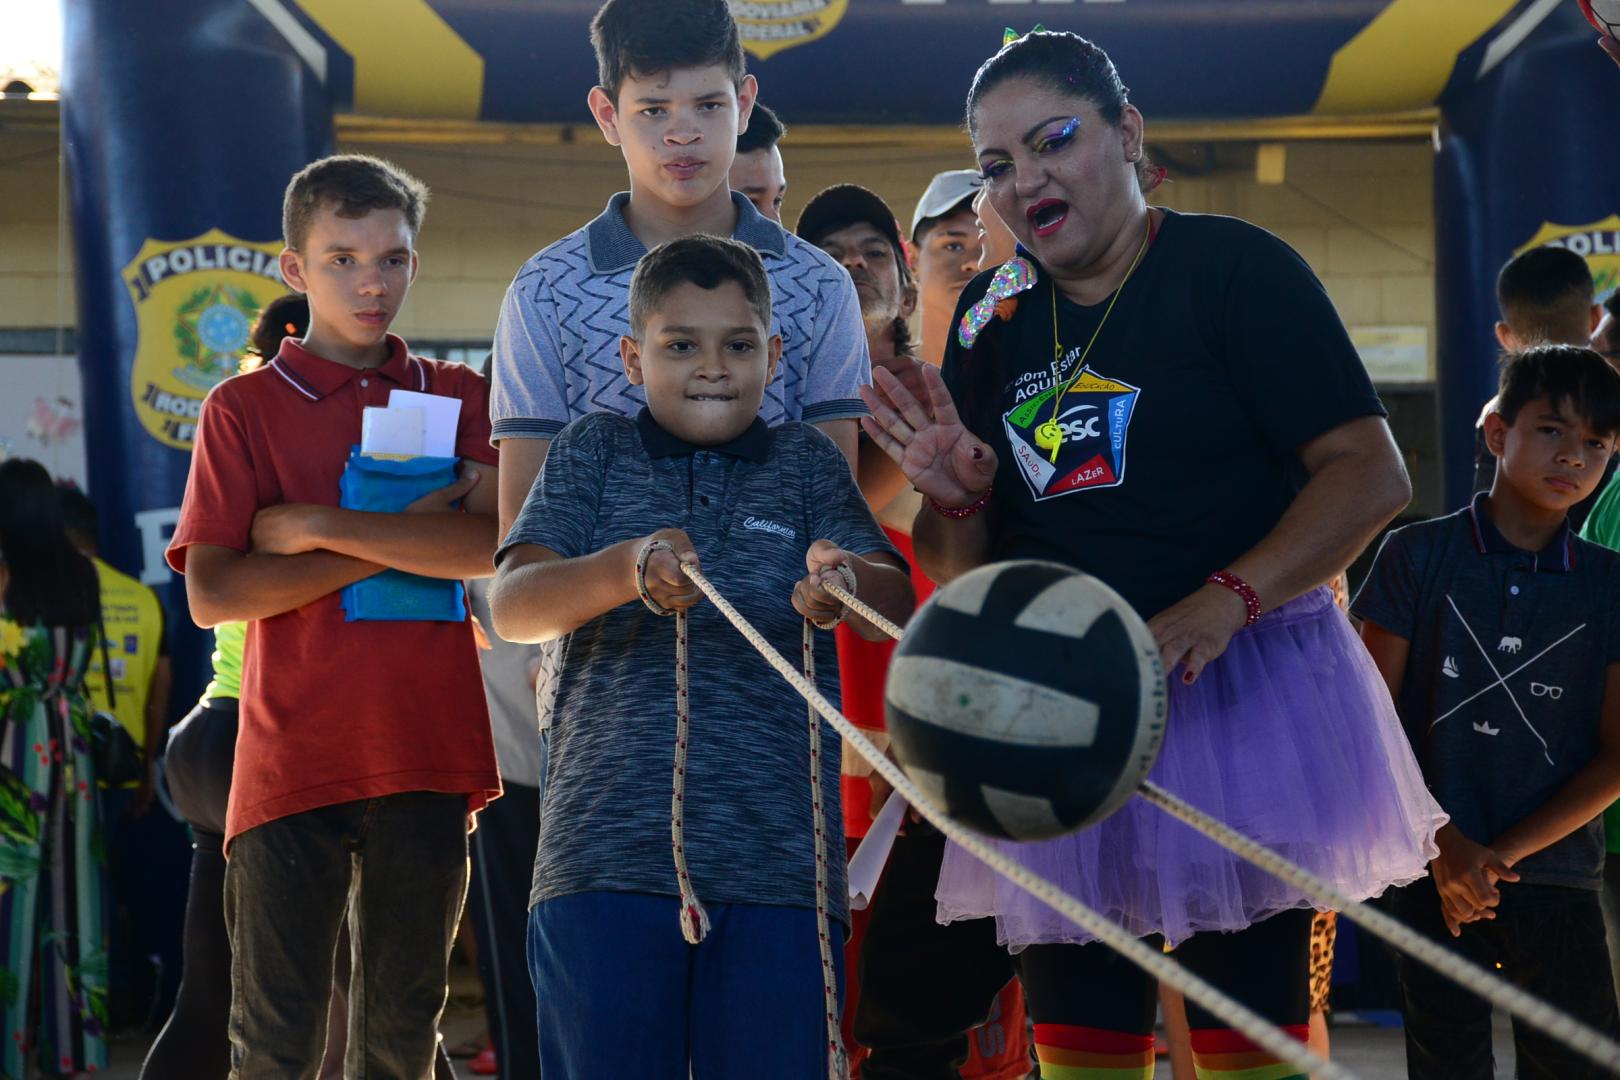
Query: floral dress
[[53, 964]]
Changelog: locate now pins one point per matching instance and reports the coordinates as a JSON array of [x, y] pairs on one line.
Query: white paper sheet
[[866, 865], [440, 415], [391, 431]]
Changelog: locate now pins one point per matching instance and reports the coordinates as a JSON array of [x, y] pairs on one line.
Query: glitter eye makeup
[[994, 170], [1057, 140]]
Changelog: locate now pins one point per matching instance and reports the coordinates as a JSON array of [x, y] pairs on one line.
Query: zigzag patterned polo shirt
[[556, 353]]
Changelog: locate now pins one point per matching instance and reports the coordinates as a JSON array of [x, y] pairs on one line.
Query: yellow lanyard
[[1049, 436]]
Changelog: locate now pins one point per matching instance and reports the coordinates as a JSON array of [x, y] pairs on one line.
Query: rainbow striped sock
[[1083, 1053], [1223, 1054]]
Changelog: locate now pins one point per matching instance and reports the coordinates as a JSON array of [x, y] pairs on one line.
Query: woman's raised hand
[[927, 440]]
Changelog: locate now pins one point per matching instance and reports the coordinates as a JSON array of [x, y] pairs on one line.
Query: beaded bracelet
[[849, 587], [1251, 599], [642, 556], [957, 513]]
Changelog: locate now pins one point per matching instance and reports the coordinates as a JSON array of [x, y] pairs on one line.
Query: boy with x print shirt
[[1498, 632]]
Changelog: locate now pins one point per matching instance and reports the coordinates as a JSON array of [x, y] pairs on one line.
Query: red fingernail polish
[[977, 453], [1187, 677]]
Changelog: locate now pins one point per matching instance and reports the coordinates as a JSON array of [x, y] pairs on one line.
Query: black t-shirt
[[1221, 358]]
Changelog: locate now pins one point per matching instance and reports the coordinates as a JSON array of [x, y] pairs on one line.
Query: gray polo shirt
[[1503, 693], [556, 351], [752, 508]]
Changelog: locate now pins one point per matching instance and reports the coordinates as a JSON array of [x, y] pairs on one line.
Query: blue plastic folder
[[389, 486]]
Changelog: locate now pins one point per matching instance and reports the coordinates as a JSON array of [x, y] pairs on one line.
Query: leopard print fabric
[[1324, 932]]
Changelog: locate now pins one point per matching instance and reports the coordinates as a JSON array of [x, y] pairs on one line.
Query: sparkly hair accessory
[[1009, 35], [1016, 275]]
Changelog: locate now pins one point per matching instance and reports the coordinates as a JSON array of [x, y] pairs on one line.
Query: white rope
[[837, 1056], [694, 916], [1155, 963], [1580, 1037], [865, 611]]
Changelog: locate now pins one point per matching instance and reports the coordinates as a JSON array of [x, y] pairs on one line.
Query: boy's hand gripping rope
[[1532, 1010]]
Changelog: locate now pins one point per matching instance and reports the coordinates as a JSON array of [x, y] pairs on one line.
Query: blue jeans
[[621, 993]]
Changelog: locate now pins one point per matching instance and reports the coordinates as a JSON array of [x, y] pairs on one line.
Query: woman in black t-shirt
[[1168, 402]]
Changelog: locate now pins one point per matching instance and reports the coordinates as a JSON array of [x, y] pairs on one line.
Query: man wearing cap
[[857, 228], [945, 234], [922, 997]]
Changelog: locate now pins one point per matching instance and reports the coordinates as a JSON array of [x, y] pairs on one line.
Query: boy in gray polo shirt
[[673, 96], [1498, 632], [697, 476]]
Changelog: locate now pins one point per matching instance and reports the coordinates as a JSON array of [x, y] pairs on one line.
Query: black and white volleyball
[[1028, 699]]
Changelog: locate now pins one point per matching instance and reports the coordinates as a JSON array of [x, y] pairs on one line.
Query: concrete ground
[[1372, 1053]]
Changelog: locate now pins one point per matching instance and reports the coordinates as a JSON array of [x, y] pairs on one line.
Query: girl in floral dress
[[53, 967]]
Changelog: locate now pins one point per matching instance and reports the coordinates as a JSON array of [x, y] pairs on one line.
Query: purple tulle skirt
[[1290, 737]]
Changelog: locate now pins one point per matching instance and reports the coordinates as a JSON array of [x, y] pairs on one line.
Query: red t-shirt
[[333, 711], [862, 667]]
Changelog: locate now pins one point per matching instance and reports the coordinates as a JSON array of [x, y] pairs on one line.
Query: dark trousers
[[502, 866], [193, 1043], [1610, 898], [148, 862], [924, 986], [1265, 966], [399, 866], [1549, 941], [198, 764]]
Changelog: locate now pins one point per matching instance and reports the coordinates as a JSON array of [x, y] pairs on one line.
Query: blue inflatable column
[[183, 122], [1527, 156]]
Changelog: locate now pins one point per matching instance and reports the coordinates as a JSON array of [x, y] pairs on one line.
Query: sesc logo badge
[[1095, 416], [195, 302], [769, 26], [1597, 243]]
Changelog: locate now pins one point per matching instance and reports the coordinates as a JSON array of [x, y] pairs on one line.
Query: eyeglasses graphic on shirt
[[1543, 690]]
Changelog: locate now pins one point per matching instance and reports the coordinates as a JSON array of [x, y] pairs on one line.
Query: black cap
[[843, 205]]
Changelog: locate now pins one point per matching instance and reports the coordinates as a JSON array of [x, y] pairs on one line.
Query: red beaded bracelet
[[957, 513], [1251, 599]]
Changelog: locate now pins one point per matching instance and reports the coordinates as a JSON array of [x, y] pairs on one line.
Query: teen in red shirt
[[364, 746]]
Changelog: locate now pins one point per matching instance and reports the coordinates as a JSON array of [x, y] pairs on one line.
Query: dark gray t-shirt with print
[[752, 509], [1503, 693]]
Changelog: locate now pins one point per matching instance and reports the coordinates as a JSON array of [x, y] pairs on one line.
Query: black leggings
[[1266, 967], [201, 751], [194, 1043]]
